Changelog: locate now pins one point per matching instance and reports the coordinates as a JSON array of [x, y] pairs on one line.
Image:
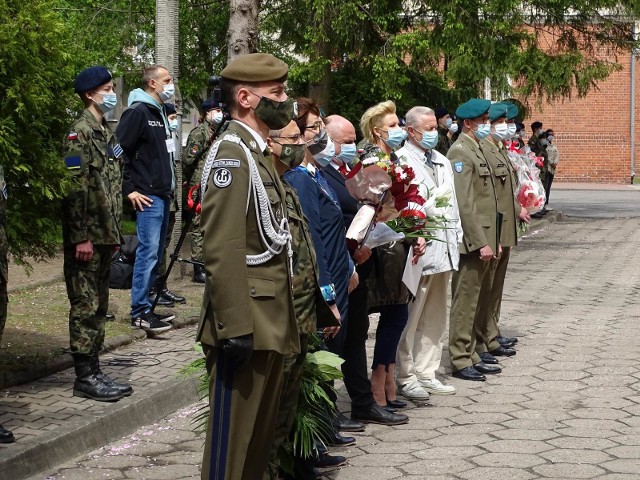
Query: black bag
[[121, 276], [128, 248]]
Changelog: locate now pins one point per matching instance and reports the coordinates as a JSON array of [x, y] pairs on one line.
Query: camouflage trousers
[[293, 367], [196, 240], [4, 279], [88, 292]]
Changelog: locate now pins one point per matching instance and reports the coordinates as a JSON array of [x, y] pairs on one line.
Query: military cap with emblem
[[256, 67], [91, 78], [496, 111], [210, 104], [474, 108], [512, 110]]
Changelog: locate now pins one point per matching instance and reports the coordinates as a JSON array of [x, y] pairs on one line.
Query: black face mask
[[292, 155], [276, 115]]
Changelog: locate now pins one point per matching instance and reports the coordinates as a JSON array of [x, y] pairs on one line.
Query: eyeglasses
[[317, 125], [295, 137]]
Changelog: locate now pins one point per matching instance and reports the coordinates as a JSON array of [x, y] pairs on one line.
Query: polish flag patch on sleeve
[[72, 136]]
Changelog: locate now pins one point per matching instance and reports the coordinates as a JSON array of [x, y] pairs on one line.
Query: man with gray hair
[[421, 344]]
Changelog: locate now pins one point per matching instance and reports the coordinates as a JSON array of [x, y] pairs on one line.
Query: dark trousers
[[393, 319], [354, 352], [547, 186]]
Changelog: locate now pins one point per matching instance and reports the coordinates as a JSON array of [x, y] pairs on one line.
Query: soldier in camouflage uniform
[[193, 157], [288, 153], [91, 230], [5, 435]]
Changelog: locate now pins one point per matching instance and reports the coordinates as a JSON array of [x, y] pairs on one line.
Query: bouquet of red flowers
[[530, 192]]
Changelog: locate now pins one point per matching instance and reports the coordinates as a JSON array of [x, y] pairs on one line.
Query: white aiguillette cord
[[274, 239]]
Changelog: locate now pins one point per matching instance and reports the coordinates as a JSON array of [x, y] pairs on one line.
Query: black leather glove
[[239, 349]]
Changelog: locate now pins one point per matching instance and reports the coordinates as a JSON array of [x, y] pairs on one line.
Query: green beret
[[256, 67], [496, 111], [91, 78], [512, 110], [474, 108]]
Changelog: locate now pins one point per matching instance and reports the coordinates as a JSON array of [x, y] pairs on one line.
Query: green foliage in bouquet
[[415, 227]]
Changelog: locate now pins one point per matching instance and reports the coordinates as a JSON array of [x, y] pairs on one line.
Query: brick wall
[[593, 133]]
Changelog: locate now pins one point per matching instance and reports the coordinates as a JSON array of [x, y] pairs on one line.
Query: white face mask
[[500, 131], [453, 128], [512, 130], [167, 92]]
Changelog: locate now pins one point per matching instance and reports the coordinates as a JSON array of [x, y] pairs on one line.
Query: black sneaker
[[172, 296], [165, 318], [149, 322]]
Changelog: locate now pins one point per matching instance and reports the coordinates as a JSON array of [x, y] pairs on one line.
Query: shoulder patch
[[222, 178], [458, 167], [72, 136], [228, 163], [195, 149], [73, 161], [232, 137]]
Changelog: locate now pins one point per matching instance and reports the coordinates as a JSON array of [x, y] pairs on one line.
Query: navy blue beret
[[91, 78], [441, 112], [474, 108], [169, 109], [210, 104]]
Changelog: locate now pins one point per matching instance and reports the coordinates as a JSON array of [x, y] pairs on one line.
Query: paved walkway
[[566, 407]]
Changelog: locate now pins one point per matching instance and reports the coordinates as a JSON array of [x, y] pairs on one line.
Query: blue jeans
[[152, 224]]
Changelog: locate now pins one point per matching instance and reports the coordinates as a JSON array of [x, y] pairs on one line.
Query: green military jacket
[[444, 142], [94, 158], [505, 185], [476, 195], [241, 299], [194, 154]]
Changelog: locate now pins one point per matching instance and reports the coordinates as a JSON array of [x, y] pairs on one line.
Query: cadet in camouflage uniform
[[288, 153], [91, 229], [5, 435], [195, 152]]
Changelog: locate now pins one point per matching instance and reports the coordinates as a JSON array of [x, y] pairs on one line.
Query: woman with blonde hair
[[387, 294]]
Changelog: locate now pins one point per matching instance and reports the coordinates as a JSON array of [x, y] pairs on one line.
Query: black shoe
[[377, 414], [489, 359], [171, 296], [344, 424], [390, 409], [503, 352], [124, 388], [396, 403], [162, 301], [501, 339], [6, 436], [537, 215], [469, 373], [507, 344], [329, 461], [150, 322], [109, 317], [88, 386], [342, 441], [199, 275], [489, 369], [165, 318]]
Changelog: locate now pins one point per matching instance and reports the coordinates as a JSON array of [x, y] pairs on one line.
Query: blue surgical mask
[[395, 137], [512, 130], [347, 153], [324, 157], [429, 139], [483, 131], [173, 125], [448, 122], [108, 103], [167, 92]]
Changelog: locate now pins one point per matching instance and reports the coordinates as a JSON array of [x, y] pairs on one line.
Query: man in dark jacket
[[354, 352], [148, 182]]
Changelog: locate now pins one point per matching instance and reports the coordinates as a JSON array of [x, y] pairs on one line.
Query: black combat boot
[[88, 386], [198, 274], [124, 388]]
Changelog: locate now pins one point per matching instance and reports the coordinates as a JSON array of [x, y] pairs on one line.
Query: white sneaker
[[436, 387], [414, 391]]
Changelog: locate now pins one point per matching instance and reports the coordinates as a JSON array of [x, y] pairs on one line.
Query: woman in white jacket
[[421, 345]]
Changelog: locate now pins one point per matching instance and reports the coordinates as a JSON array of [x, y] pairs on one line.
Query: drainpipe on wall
[[636, 30]]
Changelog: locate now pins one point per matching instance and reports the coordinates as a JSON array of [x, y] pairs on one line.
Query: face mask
[[320, 142], [544, 141], [448, 123], [484, 129], [167, 92], [501, 131], [429, 139], [291, 155], [395, 136], [453, 128], [347, 153], [173, 125], [324, 157], [522, 134], [217, 118], [551, 137], [108, 103], [512, 130], [276, 115]]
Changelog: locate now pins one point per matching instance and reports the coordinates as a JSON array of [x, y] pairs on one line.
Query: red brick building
[[593, 134]]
